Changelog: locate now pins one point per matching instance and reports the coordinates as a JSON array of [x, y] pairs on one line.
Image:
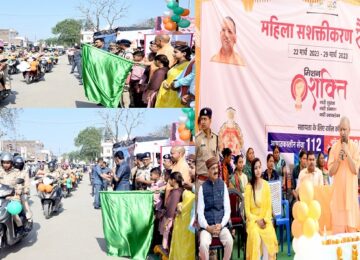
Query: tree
[[8, 119], [51, 41], [89, 142], [110, 10], [129, 119], [69, 31], [164, 131], [150, 23]]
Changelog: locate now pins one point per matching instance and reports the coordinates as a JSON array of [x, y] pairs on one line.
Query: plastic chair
[[218, 246], [281, 221], [237, 218]]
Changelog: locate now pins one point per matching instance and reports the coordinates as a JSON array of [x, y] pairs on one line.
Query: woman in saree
[[259, 226], [167, 97]]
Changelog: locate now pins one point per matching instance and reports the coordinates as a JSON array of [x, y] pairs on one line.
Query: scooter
[[30, 70], [46, 64], [9, 233], [12, 63], [50, 199], [6, 92]]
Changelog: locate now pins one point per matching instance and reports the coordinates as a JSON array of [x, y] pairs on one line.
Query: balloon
[[184, 23], [314, 210], [191, 114], [166, 20], [41, 187], [182, 119], [178, 10], [168, 13], [295, 209], [172, 5], [181, 127], [185, 135], [302, 211], [295, 244], [14, 207], [306, 191], [190, 124], [186, 12], [170, 26], [48, 188], [317, 228], [309, 227], [185, 110], [175, 18], [296, 228], [193, 132]]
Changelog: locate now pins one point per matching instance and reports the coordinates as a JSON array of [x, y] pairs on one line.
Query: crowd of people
[[163, 79], [218, 171], [171, 186]]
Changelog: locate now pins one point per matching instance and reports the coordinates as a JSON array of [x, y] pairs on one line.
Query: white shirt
[[201, 208], [316, 177]]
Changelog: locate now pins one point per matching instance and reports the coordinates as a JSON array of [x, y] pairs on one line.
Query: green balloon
[[178, 10], [191, 114], [190, 124], [185, 110], [14, 207], [193, 132], [176, 18], [184, 23], [172, 5]]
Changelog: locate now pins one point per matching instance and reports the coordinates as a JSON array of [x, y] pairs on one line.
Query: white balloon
[[295, 244], [182, 119]]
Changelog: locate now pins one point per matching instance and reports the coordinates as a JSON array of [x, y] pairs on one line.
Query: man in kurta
[[344, 165], [165, 48]]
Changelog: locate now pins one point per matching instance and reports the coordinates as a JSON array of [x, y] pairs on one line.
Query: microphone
[[343, 140]]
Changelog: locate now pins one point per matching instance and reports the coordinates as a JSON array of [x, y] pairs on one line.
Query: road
[[75, 233], [60, 89]]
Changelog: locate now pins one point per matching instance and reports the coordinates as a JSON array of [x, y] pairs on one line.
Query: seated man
[[214, 212]]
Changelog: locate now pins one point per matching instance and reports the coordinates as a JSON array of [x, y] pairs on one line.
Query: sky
[[57, 128], [34, 19]]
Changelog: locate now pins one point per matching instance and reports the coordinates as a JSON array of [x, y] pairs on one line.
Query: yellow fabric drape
[[254, 212]]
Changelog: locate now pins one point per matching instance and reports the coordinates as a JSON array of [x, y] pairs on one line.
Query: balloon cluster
[[174, 16], [306, 212], [45, 188], [186, 126]]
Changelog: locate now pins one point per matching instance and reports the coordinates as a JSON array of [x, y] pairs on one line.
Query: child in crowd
[[137, 78], [157, 186]]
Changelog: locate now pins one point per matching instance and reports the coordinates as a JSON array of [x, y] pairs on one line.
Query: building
[[28, 149], [9, 36]]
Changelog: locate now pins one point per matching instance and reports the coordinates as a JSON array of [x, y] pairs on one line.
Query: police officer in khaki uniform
[[8, 176], [53, 171], [168, 164], [143, 180], [206, 146]]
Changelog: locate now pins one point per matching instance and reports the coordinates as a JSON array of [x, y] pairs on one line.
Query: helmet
[[19, 163], [51, 166], [6, 157]]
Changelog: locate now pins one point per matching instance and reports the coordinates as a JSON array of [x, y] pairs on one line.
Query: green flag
[[128, 222], [104, 75]]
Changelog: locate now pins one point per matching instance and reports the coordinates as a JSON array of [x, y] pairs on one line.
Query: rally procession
[[180, 130]]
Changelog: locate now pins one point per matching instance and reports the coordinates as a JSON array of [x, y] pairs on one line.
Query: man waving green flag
[[104, 75]]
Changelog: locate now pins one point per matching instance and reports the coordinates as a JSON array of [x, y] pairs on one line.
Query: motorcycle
[[31, 70], [12, 63], [66, 187], [9, 233], [46, 64], [6, 92], [50, 196]]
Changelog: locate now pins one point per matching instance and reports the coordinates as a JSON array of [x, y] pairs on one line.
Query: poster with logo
[[280, 73]]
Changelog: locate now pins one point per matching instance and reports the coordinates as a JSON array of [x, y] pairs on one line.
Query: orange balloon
[[295, 209], [170, 26], [181, 127], [166, 20], [48, 188], [296, 228], [185, 135], [41, 187], [302, 211], [186, 12]]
